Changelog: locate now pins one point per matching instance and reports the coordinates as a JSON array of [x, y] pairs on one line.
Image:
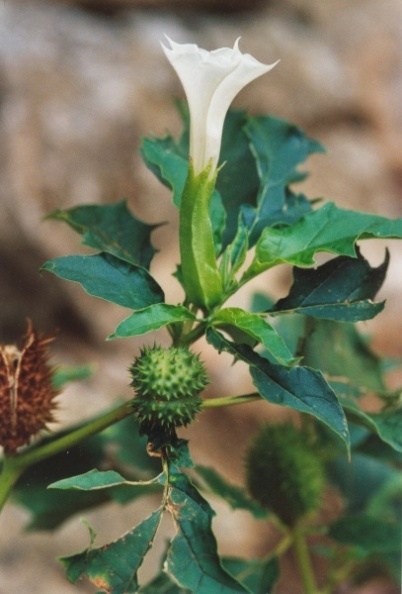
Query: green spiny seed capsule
[[168, 383], [283, 474]]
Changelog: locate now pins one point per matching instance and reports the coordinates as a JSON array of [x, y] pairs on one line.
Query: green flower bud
[[283, 474], [168, 383]]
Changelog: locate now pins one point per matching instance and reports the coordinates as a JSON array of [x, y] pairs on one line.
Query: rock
[[211, 6]]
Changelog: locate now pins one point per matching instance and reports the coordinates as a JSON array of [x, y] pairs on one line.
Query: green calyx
[[283, 474], [201, 278], [168, 383]]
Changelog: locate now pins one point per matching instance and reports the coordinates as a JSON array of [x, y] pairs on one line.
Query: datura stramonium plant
[[211, 80]]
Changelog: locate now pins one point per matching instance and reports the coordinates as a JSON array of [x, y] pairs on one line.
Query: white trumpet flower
[[211, 80]]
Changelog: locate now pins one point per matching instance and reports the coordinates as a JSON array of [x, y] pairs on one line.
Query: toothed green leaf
[[109, 278]]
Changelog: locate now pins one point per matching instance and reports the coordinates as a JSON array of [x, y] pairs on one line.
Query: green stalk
[[39, 453], [304, 561], [193, 335], [10, 474], [230, 400], [14, 466]]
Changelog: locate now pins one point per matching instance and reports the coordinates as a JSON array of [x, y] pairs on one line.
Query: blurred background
[[81, 82]]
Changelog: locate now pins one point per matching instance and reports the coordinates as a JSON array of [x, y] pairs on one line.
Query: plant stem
[[304, 561], [14, 466], [166, 488], [230, 400], [193, 335], [11, 472], [39, 453], [282, 546]]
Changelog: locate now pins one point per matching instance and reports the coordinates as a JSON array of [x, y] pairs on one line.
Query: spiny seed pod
[[26, 391], [283, 474], [168, 383]]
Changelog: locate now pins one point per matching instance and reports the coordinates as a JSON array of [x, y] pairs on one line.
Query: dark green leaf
[[303, 389], [387, 425], [260, 302], [358, 479], [342, 312], [374, 446], [296, 206], [291, 327], [328, 229], [259, 576], [232, 494], [114, 567], [48, 509], [168, 158], [192, 557], [387, 501], [340, 352], [367, 533], [217, 214], [109, 479], [255, 326], [165, 159], [300, 388], [180, 454], [151, 318], [93, 479], [278, 147], [341, 290], [111, 228], [163, 584], [109, 278], [233, 258], [237, 181]]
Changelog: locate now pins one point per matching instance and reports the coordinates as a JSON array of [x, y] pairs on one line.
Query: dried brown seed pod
[[27, 392]]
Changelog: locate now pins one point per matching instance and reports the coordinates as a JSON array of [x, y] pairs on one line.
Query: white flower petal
[[211, 80]]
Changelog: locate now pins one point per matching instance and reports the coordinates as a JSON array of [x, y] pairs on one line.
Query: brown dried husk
[[26, 390]]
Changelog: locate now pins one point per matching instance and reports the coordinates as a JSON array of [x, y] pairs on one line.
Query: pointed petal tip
[[164, 46], [236, 44], [168, 38], [270, 66]]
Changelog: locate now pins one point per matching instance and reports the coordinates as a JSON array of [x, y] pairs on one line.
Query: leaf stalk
[[230, 400]]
